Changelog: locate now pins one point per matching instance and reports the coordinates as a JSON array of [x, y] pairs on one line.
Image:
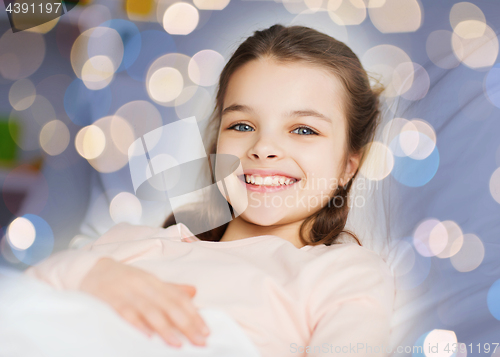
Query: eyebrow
[[294, 113]]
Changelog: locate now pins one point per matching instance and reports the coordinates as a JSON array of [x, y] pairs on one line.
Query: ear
[[350, 169]]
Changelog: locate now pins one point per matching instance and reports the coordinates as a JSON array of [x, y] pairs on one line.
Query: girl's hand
[[147, 302]]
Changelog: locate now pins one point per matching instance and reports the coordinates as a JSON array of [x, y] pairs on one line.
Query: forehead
[[268, 86]]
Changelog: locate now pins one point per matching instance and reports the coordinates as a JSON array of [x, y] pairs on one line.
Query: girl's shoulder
[[348, 256]]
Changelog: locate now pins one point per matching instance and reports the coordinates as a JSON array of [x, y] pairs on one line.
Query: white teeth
[[269, 180]]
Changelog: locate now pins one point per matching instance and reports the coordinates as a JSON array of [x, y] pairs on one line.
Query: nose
[[266, 147]]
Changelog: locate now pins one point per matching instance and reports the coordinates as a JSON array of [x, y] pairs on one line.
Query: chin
[[262, 217]]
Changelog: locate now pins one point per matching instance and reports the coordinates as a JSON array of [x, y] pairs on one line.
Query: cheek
[[226, 145], [322, 167]]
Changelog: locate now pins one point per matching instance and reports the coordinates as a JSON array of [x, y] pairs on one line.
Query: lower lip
[[256, 188]]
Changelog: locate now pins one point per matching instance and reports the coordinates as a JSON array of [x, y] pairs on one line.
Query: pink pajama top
[[314, 301]]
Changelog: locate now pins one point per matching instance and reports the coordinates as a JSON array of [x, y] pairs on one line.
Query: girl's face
[[285, 122]]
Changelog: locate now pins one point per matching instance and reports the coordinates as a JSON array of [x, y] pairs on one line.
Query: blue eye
[[303, 130], [242, 124]]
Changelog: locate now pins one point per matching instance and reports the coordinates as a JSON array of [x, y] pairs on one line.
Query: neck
[[238, 228]]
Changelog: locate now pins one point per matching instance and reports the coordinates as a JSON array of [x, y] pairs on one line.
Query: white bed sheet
[[37, 320]]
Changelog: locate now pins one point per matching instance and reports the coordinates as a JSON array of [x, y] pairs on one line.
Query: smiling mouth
[[268, 181]]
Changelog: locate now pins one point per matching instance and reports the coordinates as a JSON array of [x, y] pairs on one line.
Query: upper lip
[[270, 172]]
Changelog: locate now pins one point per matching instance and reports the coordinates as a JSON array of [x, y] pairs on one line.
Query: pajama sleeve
[[124, 242], [351, 316]]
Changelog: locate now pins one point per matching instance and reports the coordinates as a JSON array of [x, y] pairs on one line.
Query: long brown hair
[[361, 107]]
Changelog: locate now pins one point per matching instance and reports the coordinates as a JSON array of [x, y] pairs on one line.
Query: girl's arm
[[353, 319], [65, 270], [141, 298]]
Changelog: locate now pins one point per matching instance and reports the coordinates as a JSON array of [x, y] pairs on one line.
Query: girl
[[296, 107]]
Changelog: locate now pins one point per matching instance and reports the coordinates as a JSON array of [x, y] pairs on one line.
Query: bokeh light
[[97, 41], [165, 84], [125, 207], [105, 144], [391, 130], [22, 94], [54, 137], [455, 239], [438, 239], [477, 52], [467, 20], [427, 238], [384, 60], [90, 142], [21, 233], [415, 138], [436, 341], [42, 245], [347, 12], [415, 173], [167, 77], [180, 18], [426, 139], [315, 5], [470, 29], [205, 67], [211, 4], [406, 141], [378, 163], [470, 255], [97, 72], [396, 16], [122, 133], [495, 185], [493, 299]]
